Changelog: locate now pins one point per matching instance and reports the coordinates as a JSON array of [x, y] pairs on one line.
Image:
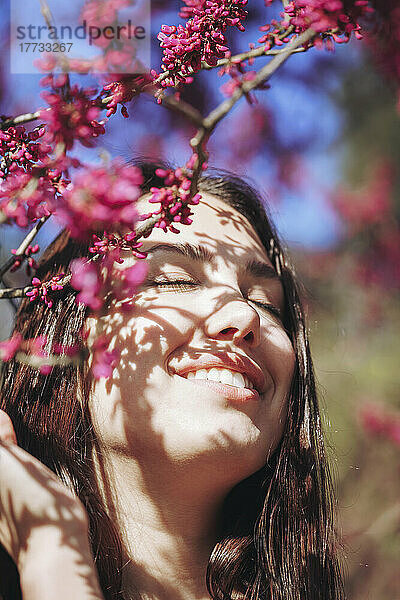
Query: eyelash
[[180, 283]]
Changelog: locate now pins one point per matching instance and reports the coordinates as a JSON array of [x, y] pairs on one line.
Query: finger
[[7, 433]]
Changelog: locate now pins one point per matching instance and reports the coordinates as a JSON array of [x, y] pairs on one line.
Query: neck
[[168, 525]]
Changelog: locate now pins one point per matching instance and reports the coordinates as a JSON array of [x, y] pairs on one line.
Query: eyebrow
[[201, 254]]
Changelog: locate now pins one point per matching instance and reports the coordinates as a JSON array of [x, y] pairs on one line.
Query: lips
[[226, 360]]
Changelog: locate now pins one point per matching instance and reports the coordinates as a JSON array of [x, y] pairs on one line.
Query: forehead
[[216, 226]]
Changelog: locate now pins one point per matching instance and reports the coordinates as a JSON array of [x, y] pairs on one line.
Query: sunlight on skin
[[167, 325], [172, 449]]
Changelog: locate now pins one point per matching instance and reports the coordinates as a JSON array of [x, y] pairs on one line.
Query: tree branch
[[20, 252], [255, 53], [26, 118], [21, 292], [215, 116], [184, 108]]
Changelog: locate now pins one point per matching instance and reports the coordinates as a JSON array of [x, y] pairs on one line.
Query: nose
[[235, 321]]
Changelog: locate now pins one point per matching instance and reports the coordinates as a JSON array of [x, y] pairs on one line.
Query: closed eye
[[178, 284], [268, 307], [187, 284]]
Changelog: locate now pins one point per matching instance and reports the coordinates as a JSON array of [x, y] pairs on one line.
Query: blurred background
[[323, 146]]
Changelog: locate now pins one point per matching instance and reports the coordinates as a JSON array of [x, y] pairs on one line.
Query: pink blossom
[[21, 150], [72, 114], [31, 263], [101, 198], [42, 289], [125, 287], [124, 90], [332, 20], [86, 278], [10, 347], [174, 199], [325, 15], [202, 38], [104, 360], [237, 81], [110, 242], [24, 198], [102, 12]]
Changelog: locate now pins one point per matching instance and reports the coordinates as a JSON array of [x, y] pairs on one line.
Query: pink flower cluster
[[175, 199], [86, 278], [202, 38], [123, 91], [101, 13], [325, 15], [25, 190], [117, 56], [101, 197], [332, 20], [72, 114], [27, 255], [20, 150], [24, 198], [98, 280], [104, 360], [110, 242], [238, 77], [41, 289], [379, 422]]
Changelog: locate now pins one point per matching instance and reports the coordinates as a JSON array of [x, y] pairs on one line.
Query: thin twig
[[11, 301], [26, 118], [15, 292], [198, 142], [184, 108], [20, 252], [215, 116], [255, 53]]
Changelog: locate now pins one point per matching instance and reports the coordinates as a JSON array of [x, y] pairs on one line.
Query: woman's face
[[206, 365]]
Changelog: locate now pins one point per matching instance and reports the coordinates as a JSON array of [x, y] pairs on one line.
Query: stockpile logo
[[96, 36]]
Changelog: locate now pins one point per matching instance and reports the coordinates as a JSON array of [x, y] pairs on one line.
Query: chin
[[219, 455]]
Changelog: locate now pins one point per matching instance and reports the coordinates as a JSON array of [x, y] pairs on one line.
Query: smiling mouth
[[219, 375]]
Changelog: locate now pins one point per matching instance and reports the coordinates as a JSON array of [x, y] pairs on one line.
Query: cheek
[[279, 358]]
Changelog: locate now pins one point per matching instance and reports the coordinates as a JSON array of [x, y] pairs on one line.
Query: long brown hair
[[277, 538]]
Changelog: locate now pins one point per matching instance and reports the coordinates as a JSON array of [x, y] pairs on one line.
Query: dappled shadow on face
[[160, 326]]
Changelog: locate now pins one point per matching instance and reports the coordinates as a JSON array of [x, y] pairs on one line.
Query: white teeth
[[238, 380], [226, 376], [213, 374], [221, 376], [200, 374]]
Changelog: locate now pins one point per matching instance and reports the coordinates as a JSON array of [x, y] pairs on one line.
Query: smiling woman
[[200, 462]]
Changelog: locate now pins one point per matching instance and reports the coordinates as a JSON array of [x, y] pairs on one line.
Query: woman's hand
[[43, 526]]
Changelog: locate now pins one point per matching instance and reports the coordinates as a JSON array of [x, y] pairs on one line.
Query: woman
[[200, 462]]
